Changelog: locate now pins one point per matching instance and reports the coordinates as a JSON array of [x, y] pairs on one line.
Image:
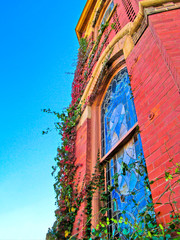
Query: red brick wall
[[154, 69], [155, 93], [166, 30], [83, 161]]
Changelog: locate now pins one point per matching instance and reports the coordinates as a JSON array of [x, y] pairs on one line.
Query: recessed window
[[125, 171], [117, 112], [107, 13]]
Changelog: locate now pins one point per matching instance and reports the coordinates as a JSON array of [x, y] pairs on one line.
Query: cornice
[[83, 18]]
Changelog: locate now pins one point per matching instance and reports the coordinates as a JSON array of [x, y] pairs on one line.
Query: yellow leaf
[[73, 209], [66, 233]]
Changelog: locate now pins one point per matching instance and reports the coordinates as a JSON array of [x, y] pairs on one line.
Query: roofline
[[82, 19]]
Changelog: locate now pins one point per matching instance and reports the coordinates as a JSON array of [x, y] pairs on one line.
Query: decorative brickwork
[[129, 10]]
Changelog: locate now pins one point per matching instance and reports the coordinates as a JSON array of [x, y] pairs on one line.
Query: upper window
[[118, 112], [107, 13]]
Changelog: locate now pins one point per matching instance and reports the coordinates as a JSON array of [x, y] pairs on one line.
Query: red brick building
[[140, 44]]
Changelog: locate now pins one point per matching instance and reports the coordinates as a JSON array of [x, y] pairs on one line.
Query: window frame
[[98, 24], [95, 143], [130, 134], [110, 13]]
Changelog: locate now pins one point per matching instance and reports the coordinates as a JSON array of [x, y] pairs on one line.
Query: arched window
[[122, 146], [118, 112], [107, 12]]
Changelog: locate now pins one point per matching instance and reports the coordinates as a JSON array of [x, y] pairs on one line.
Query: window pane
[[107, 13], [118, 112], [126, 171], [130, 195]]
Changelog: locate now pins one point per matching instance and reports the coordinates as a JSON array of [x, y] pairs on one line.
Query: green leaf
[[97, 226], [104, 210], [151, 182], [149, 234], [161, 227], [102, 224], [114, 220], [168, 176]]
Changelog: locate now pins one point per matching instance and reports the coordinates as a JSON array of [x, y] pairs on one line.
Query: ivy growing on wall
[[69, 196]]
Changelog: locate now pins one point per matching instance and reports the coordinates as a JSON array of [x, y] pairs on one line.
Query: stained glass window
[[118, 112], [130, 196], [126, 170]]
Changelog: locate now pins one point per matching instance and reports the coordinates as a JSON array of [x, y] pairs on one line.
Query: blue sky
[[38, 45]]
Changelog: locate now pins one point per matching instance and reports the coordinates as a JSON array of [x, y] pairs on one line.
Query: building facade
[[133, 82], [127, 83]]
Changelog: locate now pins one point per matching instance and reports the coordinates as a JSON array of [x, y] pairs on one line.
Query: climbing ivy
[[146, 226], [69, 196]]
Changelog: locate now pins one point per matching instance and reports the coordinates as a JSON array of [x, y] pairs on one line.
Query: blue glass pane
[[118, 116], [131, 196], [118, 112]]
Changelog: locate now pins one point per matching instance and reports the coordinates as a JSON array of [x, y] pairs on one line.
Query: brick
[[157, 172], [150, 168], [163, 209], [175, 139], [164, 158], [176, 158], [156, 146], [176, 104], [154, 156], [161, 191], [146, 153], [174, 150], [167, 218]]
